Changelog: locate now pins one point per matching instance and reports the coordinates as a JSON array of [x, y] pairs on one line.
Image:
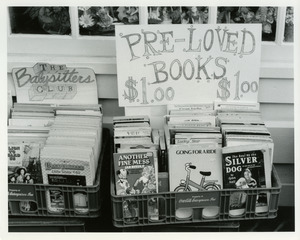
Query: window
[[101, 21], [39, 33], [177, 15], [266, 16], [40, 20], [289, 25]]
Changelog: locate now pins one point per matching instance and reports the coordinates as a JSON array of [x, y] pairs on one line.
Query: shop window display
[[101, 21], [40, 20], [177, 15], [267, 16]]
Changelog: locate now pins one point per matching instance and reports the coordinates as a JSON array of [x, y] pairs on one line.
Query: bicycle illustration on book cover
[[205, 185]]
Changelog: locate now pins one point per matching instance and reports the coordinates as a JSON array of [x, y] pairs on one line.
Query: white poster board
[[171, 64], [55, 84]]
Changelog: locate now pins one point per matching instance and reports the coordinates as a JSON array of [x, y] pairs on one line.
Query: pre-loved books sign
[[165, 64], [55, 84]]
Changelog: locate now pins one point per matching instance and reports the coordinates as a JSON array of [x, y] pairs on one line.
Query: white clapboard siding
[[271, 90], [106, 64], [63, 44], [276, 90]]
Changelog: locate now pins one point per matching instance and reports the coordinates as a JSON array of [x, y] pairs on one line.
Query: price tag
[[169, 64]]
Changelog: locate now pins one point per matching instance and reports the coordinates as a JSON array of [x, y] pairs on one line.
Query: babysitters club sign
[[167, 64], [49, 83]]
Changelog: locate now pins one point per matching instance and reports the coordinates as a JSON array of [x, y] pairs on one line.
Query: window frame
[[27, 49]]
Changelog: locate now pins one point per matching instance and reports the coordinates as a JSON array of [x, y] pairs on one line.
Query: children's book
[[195, 167], [68, 165], [135, 173], [247, 167], [24, 164]]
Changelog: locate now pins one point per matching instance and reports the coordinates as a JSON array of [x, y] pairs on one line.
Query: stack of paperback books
[[194, 144], [189, 124], [56, 145], [35, 115], [243, 126], [28, 129], [247, 154], [71, 153], [131, 130], [193, 137], [136, 155], [136, 162], [45, 139]]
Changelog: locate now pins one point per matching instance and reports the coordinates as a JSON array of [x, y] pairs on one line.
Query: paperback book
[[132, 130], [24, 164], [196, 167], [246, 167], [185, 162], [135, 173]]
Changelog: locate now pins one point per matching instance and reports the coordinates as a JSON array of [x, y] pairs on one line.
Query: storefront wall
[[276, 93]]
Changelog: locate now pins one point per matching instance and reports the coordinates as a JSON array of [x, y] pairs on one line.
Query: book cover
[[247, 167], [24, 164], [135, 173], [153, 149], [195, 167], [63, 168]]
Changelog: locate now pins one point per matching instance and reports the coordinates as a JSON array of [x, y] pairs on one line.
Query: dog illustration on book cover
[[122, 184]]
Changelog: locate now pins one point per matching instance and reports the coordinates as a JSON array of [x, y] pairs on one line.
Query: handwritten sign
[[168, 64], [55, 84]]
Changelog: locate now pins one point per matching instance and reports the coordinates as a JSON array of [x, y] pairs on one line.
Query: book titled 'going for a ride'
[[195, 167]]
